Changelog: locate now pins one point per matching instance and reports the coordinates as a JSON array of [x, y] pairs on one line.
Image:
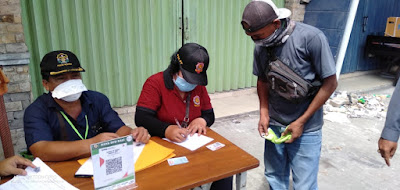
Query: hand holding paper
[[35, 179]]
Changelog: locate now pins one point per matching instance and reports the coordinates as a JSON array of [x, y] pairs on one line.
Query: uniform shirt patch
[[196, 101]]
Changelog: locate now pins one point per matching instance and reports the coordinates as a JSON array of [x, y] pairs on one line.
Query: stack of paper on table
[[193, 142], [42, 178], [145, 156]]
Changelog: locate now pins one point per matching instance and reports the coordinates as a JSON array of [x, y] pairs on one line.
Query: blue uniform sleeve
[[36, 124], [108, 115], [391, 130]]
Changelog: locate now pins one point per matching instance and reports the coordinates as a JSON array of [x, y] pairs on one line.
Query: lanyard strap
[[185, 121], [73, 126], [63, 130]]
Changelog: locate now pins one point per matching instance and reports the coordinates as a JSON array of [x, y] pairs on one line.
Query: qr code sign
[[113, 165]]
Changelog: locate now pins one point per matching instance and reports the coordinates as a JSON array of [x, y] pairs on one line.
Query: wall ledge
[[15, 58]]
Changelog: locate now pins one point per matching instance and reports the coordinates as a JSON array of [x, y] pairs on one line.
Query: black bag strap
[[271, 54], [63, 130], [185, 121]]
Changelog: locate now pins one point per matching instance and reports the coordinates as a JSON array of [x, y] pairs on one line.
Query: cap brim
[[284, 13], [199, 79]]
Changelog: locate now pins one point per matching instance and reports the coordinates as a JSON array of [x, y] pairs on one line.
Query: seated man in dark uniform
[[61, 124]]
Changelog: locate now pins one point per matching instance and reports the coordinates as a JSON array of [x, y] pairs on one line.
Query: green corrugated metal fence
[[122, 42]]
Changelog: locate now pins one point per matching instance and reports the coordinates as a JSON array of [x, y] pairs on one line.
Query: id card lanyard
[[185, 121], [73, 126]]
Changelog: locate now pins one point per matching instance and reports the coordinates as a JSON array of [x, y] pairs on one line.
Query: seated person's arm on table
[[62, 150], [208, 116], [148, 119], [206, 119], [140, 134], [66, 150], [40, 138], [200, 124]]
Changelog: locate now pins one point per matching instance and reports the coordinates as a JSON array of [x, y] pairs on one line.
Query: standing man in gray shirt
[[387, 144], [306, 51]]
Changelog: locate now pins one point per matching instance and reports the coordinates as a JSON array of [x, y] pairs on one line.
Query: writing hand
[[198, 125], [175, 133]]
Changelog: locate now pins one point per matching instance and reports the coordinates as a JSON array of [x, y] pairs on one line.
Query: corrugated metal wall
[[216, 26], [122, 42], [119, 43]]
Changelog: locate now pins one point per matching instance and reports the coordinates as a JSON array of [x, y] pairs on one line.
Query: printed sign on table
[[113, 166]]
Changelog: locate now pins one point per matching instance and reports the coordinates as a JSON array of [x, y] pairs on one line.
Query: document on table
[[86, 170], [45, 178], [145, 156], [193, 142]]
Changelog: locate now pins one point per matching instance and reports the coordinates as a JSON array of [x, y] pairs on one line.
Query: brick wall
[[14, 60], [298, 8]]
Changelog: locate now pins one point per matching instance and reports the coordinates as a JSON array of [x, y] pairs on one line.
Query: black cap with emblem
[[193, 61], [60, 61]]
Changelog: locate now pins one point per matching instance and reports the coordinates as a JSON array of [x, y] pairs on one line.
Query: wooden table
[[204, 167]]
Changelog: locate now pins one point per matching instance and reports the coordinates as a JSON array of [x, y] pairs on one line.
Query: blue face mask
[[183, 85]]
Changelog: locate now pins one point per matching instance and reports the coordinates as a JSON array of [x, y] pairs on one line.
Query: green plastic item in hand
[[274, 139]]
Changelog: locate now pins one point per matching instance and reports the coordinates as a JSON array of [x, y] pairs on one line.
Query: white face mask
[[70, 90], [72, 97], [266, 41]]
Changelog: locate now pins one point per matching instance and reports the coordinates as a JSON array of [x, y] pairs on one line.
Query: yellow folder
[[152, 154]]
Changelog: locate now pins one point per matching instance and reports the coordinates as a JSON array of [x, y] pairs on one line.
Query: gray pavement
[[349, 158]]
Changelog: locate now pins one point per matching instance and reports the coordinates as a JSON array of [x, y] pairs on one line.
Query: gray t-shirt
[[391, 131], [307, 52]]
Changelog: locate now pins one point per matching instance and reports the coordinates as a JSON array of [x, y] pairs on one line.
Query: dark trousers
[[223, 184]]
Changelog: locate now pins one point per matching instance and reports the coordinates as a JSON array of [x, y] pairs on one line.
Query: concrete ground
[[349, 158]]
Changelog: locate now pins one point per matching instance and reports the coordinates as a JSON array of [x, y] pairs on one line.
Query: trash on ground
[[355, 106]]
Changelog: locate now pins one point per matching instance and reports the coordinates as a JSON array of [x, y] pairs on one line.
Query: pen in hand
[[179, 125]]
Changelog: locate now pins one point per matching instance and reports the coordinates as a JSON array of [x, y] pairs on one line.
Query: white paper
[[193, 142], [44, 179], [87, 168], [137, 150]]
